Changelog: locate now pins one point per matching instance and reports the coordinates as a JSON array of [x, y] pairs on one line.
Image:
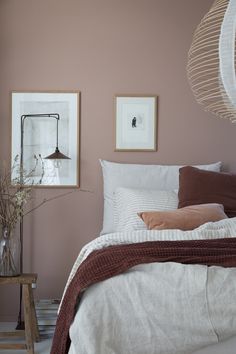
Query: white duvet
[[157, 308]]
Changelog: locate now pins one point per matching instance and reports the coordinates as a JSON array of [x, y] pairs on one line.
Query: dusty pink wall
[[101, 47]]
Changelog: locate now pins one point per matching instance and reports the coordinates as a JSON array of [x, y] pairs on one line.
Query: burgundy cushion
[[199, 187]]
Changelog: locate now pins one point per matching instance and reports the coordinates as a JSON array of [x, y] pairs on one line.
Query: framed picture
[[135, 123], [45, 137]]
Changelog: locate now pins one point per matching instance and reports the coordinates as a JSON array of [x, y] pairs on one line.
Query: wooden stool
[[31, 332]]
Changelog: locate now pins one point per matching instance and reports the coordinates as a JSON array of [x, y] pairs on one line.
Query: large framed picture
[[45, 129], [135, 123]]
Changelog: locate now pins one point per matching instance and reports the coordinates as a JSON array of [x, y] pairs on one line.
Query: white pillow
[[158, 177], [129, 202]]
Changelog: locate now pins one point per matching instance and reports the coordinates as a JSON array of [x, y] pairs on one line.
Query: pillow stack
[[139, 177]]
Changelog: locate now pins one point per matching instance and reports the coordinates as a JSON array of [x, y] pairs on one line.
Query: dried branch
[[46, 200], [14, 198]]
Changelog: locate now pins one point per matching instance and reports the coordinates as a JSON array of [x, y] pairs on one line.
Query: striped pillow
[[129, 202]]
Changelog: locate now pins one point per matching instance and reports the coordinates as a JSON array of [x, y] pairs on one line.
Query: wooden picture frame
[[40, 134], [135, 122]]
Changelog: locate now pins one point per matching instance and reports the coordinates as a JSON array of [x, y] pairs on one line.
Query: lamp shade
[[211, 60], [57, 155]]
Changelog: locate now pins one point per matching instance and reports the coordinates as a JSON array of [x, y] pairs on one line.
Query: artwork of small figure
[[134, 121]]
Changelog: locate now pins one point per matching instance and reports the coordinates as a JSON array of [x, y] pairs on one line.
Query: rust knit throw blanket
[[113, 260]]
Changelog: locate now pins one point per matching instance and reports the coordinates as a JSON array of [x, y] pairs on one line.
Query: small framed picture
[[135, 123], [46, 124]]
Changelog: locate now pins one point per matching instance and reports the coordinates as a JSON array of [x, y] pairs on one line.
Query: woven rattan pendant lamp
[[211, 60]]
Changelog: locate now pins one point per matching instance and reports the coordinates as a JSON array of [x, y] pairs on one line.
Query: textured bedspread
[[220, 229], [182, 294]]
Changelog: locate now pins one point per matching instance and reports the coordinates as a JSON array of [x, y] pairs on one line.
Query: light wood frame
[[146, 119], [77, 158]]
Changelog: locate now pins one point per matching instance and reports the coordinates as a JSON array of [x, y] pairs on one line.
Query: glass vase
[[9, 252]]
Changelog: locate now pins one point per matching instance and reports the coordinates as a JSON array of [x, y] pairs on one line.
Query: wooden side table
[[31, 332]]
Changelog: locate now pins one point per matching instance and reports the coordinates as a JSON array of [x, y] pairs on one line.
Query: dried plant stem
[[46, 200], [14, 195]]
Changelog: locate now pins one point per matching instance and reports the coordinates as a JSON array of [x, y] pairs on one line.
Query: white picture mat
[[141, 133], [40, 133]]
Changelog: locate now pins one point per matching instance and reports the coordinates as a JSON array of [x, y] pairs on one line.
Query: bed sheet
[[225, 347]]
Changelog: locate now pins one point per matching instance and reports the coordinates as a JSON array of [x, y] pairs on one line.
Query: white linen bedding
[[226, 347], [157, 308]]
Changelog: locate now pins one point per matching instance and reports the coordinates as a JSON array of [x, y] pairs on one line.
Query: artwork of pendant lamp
[[56, 156], [211, 60]]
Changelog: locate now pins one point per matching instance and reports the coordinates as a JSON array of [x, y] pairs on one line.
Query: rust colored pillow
[[199, 187], [187, 218]]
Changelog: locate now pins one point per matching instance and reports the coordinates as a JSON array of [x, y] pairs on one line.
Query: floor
[[43, 347]]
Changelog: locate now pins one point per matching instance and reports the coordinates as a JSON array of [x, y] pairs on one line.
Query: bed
[[161, 290]]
